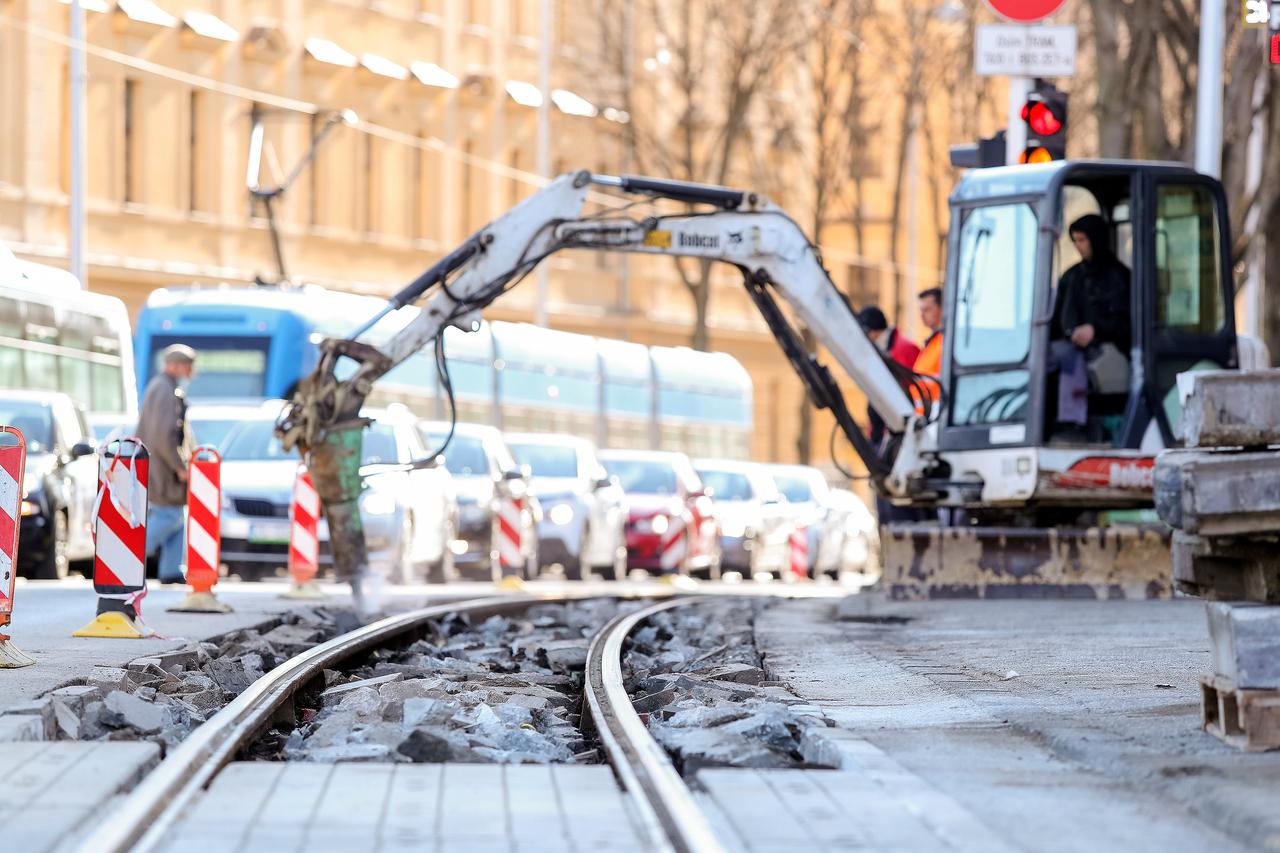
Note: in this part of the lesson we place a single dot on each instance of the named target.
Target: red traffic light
(1041, 118)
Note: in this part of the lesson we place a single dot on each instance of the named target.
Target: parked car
(484, 472)
(584, 515)
(211, 423)
(409, 516)
(664, 491)
(60, 482)
(809, 500)
(755, 523)
(856, 535)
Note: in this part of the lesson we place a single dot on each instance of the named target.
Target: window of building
(196, 155)
(468, 185)
(131, 134)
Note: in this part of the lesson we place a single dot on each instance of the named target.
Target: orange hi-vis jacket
(929, 363)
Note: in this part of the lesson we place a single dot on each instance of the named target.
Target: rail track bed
(484, 724)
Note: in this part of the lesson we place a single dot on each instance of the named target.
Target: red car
(671, 523)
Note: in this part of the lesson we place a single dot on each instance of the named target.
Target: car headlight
(659, 524)
(561, 514)
(734, 527)
(30, 483)
(30, 508)
(378, 503)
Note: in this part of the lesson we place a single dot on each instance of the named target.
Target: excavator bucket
(923, 561)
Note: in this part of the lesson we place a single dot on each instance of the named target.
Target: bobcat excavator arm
(739, 228)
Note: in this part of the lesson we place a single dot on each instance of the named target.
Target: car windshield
(795, 489)
(33, 420)
(256, 441)
(211, 431)
(464, 457)
(640, 476)
(547, 460)
(727, 485)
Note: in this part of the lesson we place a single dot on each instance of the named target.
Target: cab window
(996, 277)
(1188, 261)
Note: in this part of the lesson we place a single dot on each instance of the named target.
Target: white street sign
(1017, 51)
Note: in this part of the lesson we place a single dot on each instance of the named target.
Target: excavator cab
(1090, 418)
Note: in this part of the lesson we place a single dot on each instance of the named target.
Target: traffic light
(983, 154)
(1045, 115)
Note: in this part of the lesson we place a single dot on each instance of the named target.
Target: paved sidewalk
(47, 612)
(1058, 725)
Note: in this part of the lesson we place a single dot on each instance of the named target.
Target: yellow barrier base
(510, 583)
(678, 581)
(201, 602)
(310, 589)
(114, 625)
(12, 657)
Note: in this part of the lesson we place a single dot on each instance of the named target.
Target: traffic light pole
(1213, 15)
(1016, 135)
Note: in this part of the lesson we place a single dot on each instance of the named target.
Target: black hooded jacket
(1096, 291)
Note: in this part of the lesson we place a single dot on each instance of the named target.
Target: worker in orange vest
(929, 362)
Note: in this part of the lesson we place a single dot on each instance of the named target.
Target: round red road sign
(1026, 11)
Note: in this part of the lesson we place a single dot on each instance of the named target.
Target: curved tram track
(662, 803)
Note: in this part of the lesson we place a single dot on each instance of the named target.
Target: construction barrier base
(309, 589)
(678, 581)
(114, 624)
(510, 583)
(201, 602)
(12, 657)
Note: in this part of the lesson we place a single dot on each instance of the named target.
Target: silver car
(584, 515)
(484, 472)
(755, 522)
(409, 515)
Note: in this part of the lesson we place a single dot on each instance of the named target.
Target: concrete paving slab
(52, 793)
(380, 806)
(1077, 726)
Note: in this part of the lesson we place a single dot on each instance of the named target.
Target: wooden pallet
(1248, 719)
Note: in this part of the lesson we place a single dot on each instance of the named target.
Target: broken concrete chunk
(124, 709)
(738, 673)
(108, 678)
(41, 710)
(340, 689)
(15, 727)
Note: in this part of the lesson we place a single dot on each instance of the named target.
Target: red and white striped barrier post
(799, 552)
(13, 468)
(673, 547)
(304, 537)
(204, 534)
(510, 544)
(120, 541)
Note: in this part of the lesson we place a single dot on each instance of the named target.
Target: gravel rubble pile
(697, 676)
(164, 698)
(505, 690)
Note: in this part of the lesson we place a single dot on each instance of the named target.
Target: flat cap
(178, 354)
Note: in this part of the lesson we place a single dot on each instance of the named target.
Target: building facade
(441, 135)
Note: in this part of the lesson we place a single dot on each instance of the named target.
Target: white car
(584, 515)
(409, 515)
(809, 501)
(855, 535)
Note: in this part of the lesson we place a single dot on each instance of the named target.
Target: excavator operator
(1091, 330)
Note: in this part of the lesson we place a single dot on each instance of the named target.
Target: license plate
(269, 532)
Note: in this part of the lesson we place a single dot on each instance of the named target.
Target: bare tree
(714, 59)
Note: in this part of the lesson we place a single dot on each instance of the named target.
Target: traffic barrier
(304, 537)
(800, 552)
(13, 468)
(204, 534)
(510, 545)
(674, 547)
(120, 541)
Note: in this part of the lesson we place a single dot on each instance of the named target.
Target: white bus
(55, 336)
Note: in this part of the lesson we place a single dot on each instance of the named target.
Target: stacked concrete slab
(1221, 494)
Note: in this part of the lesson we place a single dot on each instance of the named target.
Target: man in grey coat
(162, 426)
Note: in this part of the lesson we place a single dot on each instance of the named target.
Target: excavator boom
(739, 228)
